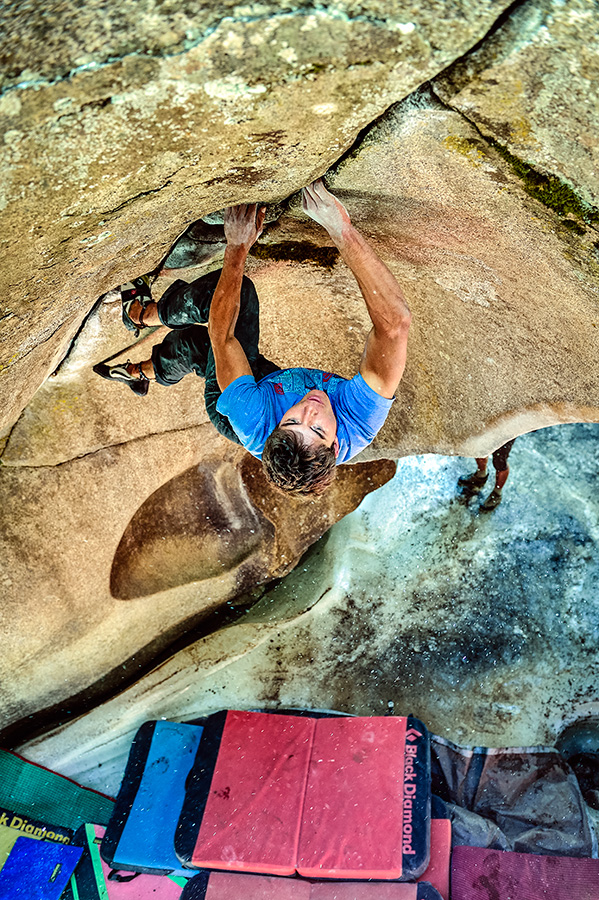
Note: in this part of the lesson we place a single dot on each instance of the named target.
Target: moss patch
(549, 190)
(573, 225)
(297, 251)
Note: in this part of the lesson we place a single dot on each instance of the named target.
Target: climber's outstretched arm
(384, 357)
(243, 226)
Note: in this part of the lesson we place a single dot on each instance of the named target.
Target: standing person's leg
(502, 470)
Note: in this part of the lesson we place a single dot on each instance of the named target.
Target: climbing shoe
(139, 384)
(473, 482)
(138, 289)
(492, 501)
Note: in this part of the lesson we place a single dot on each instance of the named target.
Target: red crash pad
(353, 806)
(437, 872)
(252, 815)
(330, 797)
(482, 874)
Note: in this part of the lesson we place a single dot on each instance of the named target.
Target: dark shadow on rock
(299, 521)
(297, 251)
(197, 526)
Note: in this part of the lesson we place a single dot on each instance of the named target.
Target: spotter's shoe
(473, 482)
(579, 746)
(492, 501)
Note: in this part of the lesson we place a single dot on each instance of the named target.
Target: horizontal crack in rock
(297, 251)
(91, 453)
(156, 190)
(127, 673)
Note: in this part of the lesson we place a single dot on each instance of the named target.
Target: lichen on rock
(532, 87)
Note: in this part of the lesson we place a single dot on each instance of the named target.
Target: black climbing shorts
(185, 309)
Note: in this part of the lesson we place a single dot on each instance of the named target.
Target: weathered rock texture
(128, 521)
(533, 86)
(107, 497)
(124, 123)
(505, 298)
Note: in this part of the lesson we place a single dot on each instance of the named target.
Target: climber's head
(300, 455)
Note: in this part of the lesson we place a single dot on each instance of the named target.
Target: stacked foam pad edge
(229, 886)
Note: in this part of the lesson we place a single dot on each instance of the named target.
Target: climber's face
(313, 418)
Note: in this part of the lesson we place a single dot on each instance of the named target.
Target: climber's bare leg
(150, 313)
(146, 366)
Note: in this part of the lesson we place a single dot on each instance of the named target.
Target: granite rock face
(505, 332)
(122, 124)
(128, 522)
(110, 557)
(115, 498)
(108, 497)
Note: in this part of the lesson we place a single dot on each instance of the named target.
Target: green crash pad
(30, 790)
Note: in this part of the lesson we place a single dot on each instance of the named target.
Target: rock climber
(475, 482)
(300, 422)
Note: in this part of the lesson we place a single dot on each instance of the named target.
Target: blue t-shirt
(255, 409)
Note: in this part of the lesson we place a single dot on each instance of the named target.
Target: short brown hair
(296, 467)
